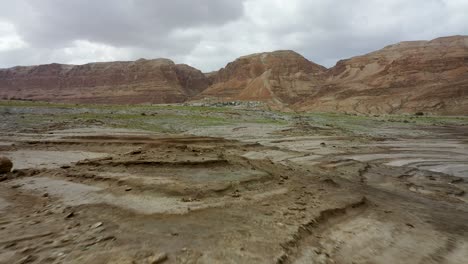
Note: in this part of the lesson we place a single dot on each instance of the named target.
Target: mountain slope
(428, 76)
(408, 77)
(141, 81)
(279, 78)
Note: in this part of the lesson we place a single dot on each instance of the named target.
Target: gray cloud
(209, 33)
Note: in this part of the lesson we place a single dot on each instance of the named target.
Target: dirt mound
(141, 81)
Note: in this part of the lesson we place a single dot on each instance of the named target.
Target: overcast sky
(207, 34)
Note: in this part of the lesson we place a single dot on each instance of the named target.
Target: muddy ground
(181, 184)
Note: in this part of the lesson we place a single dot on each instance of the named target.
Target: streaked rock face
(141, 81)
(279, 78)
(427, 76)
(408, 77)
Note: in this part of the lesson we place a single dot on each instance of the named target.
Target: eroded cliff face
(141, 81)
(279, 78)
(408, 77)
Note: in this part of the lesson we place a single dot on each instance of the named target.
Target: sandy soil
(233, 194)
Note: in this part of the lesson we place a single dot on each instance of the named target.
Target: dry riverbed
(131, 185)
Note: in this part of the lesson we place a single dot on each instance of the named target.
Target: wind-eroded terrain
(230, 184)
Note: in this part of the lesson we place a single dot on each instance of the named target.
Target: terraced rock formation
(408, 77)
(279, 78)
(141, 81)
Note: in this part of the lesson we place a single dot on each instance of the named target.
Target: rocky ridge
(279, 78)
(141, 81)
(408, 77)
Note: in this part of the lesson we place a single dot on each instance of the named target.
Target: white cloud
(9, 38)
(83, 51)
(210, 34)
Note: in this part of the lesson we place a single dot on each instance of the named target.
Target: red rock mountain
(279, 78)
(428, 76)
(141, 81)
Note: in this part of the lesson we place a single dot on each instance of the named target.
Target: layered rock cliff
(279, 78)
(416, 76)
(141, 81)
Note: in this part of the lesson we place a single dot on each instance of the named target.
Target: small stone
(106, 238)
(96, 225)
(293, 208)
(35, 222)
(128, 189)
(5, 165)
(45, 195)
(27, 249)
(27, 259)
(70, 215)
(157, 258)
(9, 245)
(134, 152)
(187, 200)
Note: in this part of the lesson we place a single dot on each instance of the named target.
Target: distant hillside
(408, 77)
(279, 78)
(427, 76)
(141, 81)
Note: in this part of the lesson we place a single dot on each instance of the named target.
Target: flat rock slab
(26, 159)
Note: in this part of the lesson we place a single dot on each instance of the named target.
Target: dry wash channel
(146, 198)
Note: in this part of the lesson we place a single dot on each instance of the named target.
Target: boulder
(5, 165)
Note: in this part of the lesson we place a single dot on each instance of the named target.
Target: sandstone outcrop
(279, 78)
(408, 77)
(141, 81)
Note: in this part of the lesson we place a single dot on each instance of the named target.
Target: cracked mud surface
(267, 194)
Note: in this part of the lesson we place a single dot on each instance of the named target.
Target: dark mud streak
(362, 173)
(206, 163)
(291, 248)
